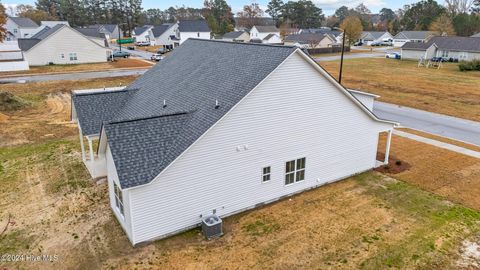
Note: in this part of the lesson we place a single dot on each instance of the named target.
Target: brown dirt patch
(443, 172)
(394, 165)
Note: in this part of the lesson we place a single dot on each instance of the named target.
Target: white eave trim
(363, 93)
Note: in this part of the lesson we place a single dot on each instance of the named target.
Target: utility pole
(343, 52)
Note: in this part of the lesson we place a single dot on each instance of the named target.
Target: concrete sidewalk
(436, 143)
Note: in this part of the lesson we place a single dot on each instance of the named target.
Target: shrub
(398, 162)
(469, 65)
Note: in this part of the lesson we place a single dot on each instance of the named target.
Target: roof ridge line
(244, 43)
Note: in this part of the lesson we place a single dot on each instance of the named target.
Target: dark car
(131, 48)
(121, 54)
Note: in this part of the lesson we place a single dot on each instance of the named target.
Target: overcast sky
(328, 6)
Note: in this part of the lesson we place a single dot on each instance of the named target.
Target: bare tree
(455, 7)
(250, 15)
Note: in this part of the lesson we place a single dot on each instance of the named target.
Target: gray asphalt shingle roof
(143, 135)
(141, 29)
(90, 32)
(24, 22)
(26, 44)
(413, 35)
(47, 31)
(461, 44)
(193, 26)
(267, 28)
(372, 35)
(158, 30)
(305, 37)
(233, 34)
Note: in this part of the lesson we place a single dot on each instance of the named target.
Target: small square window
(266, 174)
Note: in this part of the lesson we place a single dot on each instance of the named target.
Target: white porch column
(81, 144)
(387, 151)
(90, 148)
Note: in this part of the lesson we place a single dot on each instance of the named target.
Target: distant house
(112, 31)
(61, 44)
(371, 37)
(143, 34)
(92, 33)
(193, 29)
(311, 40)
(411, 36)
(457, 48)
(165, 35)
(18, 27)
(52, 23)
(11, 57)
(219, 128)
(476, 35)
(237, 36)
(326, 30)
(265, 34)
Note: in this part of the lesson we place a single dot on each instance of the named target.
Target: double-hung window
(294, 171)
(73, 56)
(118, 198)
(266, 174)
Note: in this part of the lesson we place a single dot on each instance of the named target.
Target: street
(140, 53)
(438, 124)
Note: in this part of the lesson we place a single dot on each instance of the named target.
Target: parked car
(156, 57)
(161, 51)
(392, 55)
(358, 43)
(131, 48)
(142, 43)
(120, 54)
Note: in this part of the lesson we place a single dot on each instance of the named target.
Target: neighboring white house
(272, 39)
(455, 48)
(143, 34)
(258, 33)
(93, 34)
(311, 40)
(18, 27)
(111, 31)
(237, 36)
(52, 23)
(193, 29)
(222, 127)
(411, 36)
(61, 45)
(165, 35)
(372, 37)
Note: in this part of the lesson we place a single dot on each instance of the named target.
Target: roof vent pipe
(216, 104)
(164, 103)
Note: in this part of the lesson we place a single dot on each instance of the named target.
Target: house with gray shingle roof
(222, 127)
(455, 48)
(268, 34)
(237, 36)
(411, 36)
(372, 37)
(311, 40)
(143, 34)
(19, 27)
(193, 29)
(62, 44)
(165, 35)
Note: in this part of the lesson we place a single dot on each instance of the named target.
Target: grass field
(446, 91)
(118, 63)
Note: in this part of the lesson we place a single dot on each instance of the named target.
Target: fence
(335, 49)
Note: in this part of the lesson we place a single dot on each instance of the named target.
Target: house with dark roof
(166, 35)
(237, 36)
(268, 34)
(454, 48)
(222, 127)
(111, 31)
(61, 44)
(96, 36)
(193, 29)
(18, 27)
(411, 36)
(311, 40)
(372, 37)
(143, 34)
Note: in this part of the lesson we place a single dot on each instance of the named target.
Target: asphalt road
(140, 53)
(350, 56)
(443, 125)
(73, 76)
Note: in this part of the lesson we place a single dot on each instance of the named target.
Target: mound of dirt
(10, 102)
(394, 166)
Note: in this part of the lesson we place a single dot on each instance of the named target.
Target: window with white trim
(73, 56)
(294, 171)
(118, 198)
(266, 174)
(444, 53)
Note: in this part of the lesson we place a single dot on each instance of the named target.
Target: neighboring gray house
(165, 35)
(61, 44)
(457, 48)
(18, 27)
(193, 29)
(371, 37)
(143, 34)
(222, 127)
(111, 31)
(411, 36)
(237, 36)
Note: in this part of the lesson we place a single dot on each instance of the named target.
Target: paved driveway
(443, 125)
(139, 53)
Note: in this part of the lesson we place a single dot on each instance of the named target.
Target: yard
(370, 221)
(446, 91)
(119, 63)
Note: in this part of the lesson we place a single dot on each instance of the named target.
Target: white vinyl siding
(66, 41)
(165, 39)
(296, 112)
(186, 35)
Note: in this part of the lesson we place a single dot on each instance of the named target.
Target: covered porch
(95, 163)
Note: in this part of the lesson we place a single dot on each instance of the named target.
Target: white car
(142, 43)
(392, 55)
(156, 57)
